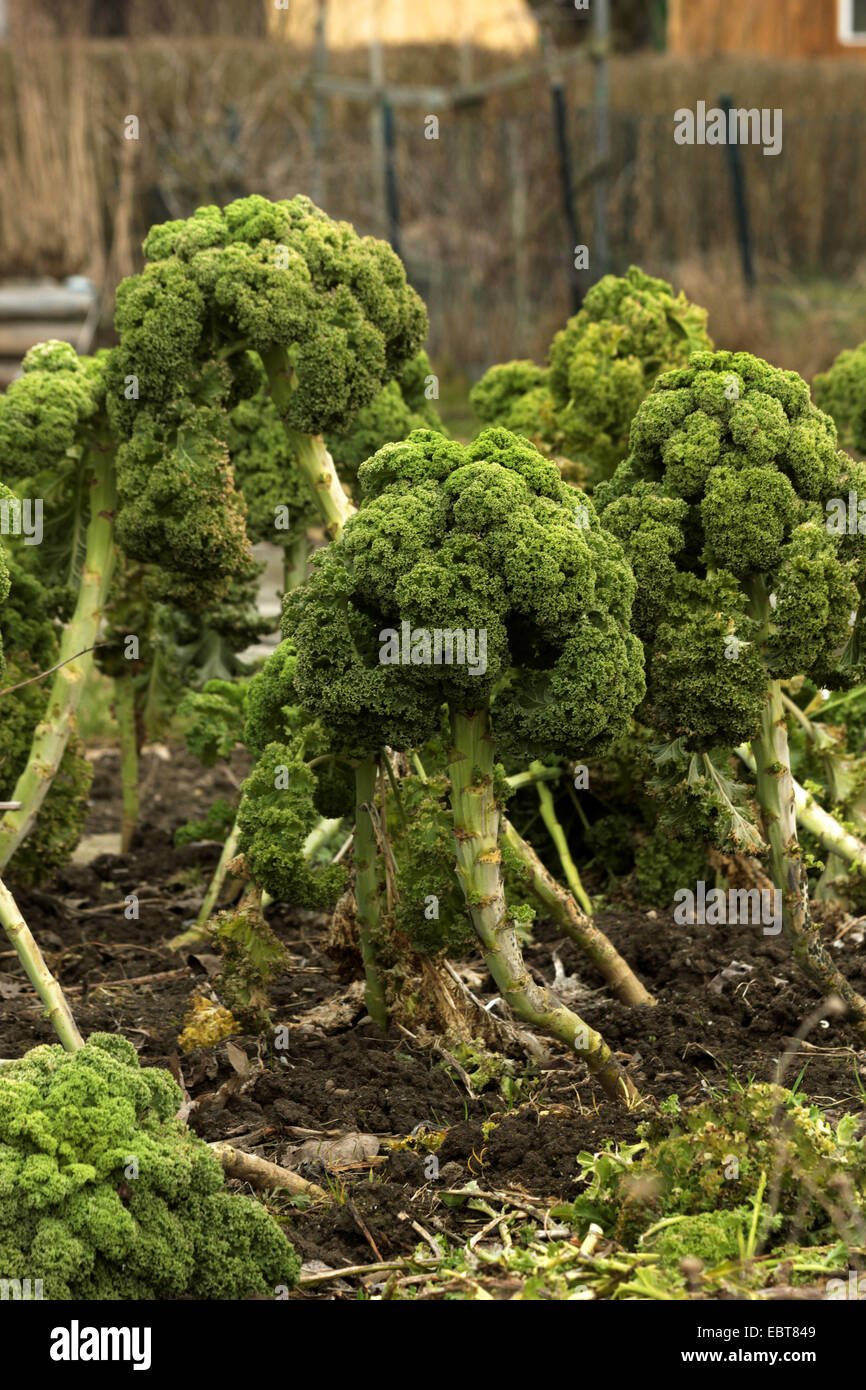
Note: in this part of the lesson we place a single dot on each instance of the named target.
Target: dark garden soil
(728, 1000)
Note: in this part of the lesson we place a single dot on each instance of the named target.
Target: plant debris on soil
(504, 1156)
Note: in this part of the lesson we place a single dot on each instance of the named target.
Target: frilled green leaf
(766, 1129)
(603, 363)
(271, 706)
(277, 812)
(700, 801)
(431, 907)
(214, 719)
(178, 507)
(330, 312)
(60, 821)
(400, 407)
(814, 599)
(52, 422)
(273, 277)
(662, 862)
(103, 1193)
(415, 380)
(501, 386)
(579, 704)
(279, 505)
(252, 957)
(277, 496)
(706, 680)
(845, 522)
(274, 715)
(841, 392)
(216, 825)
(604, 389)
(651, 528)
(488, 543)
(46, 413)
(747, 514)
(716, 1156)
(29, 619)
(516, 395)
(734, 477)
(161, 317)
(338, 674)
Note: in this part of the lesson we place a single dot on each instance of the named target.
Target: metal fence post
(741, 208)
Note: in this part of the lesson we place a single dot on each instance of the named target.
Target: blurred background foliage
(219, 90)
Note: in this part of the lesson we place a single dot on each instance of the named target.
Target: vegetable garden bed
(344, 1078)
(574, 711)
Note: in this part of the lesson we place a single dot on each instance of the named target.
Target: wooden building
(503, 24)
(498, 24)
(776, 29)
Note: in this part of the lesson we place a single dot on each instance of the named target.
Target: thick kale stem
(52, 732)
(57, 1010)
(776, 799)
(124, 713)
(777, 802)
(479, 870)
(617, 973)
(312, 457)
(812, 816)
(367, 898)
(318, 468)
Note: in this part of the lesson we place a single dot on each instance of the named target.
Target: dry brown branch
(261, 1173)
